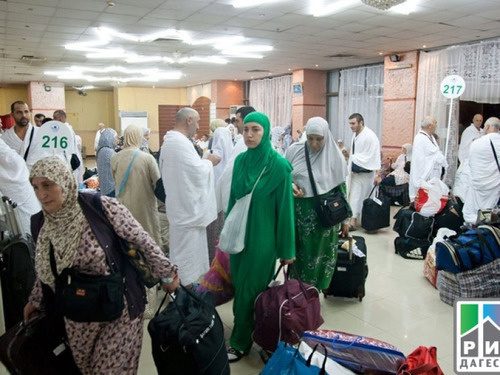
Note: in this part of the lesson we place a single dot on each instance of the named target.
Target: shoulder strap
(127, 172)
(256, 182)
(309, 170)
(29, 145)
(495, 154)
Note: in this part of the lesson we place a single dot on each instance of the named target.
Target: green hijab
(249, 164)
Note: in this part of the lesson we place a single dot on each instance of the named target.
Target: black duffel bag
(376, 212)
(188, 336)
(411, 224)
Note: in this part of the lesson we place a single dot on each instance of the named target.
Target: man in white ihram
(471, 133)
(463, 176)
(363, 163)
(190, 203)
(427, 160)
(484, 190)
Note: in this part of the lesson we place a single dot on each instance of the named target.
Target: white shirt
(470, 134)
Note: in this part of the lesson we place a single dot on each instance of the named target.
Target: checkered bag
(481, 282)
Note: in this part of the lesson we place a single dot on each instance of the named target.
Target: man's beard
(23, 122)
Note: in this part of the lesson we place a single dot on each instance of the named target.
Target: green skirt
(316, 246)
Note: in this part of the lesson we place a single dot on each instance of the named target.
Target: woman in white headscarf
(400, 174)
(316, 246)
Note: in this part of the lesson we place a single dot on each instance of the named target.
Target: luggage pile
(416, 231)
(468, 264)
(333, 352)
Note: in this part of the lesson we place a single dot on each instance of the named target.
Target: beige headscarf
(63, 228)
(132, 136)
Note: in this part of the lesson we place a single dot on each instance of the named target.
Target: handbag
(188, 336)
(88, 298)
(332, 208)
(232, 236)
(131, 252)
(422, 361)
(283, 312)
(376, 212)
(287, 360)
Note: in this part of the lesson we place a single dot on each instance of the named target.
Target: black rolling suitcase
(350, 272)
(17, 265)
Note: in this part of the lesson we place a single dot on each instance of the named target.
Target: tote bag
(232, 237)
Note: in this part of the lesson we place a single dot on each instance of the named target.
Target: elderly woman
(135, 174)
(270, 227)
(105, 151)
(69, 228)
(316, 245)
(137, 193)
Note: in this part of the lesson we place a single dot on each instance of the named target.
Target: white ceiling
(41, 28)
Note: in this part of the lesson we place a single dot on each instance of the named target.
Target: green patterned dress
(316, 246)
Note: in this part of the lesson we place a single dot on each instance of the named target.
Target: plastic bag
(432, 197)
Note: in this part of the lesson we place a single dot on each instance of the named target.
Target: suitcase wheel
(360, 296)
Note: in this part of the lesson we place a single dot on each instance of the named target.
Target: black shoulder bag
(333, 208)
(88, 298)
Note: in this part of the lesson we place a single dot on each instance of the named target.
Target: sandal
(234, 355)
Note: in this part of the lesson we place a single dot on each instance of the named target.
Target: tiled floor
(401, 307)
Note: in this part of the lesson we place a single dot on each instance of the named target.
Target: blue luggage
(469, 250)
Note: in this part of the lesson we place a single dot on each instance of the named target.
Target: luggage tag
(378, 201)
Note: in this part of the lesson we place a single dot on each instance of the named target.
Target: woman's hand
(286, 262)
(344, 230)
(29, 311)
(172, 286)
(297, 192)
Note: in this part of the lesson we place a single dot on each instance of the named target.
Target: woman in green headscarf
(270, 232)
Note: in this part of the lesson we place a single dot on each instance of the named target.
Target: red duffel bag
(422, 361)
(284, 312)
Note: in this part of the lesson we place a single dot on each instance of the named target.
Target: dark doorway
(468, 109)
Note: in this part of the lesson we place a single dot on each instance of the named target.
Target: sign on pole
(452, 87)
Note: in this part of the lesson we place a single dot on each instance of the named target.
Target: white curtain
(361, 91)
(273, 96)
(479, 65)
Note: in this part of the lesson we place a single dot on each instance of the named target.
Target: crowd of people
(203, 180)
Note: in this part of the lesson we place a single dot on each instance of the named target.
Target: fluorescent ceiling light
(242, 55)
(318, 9)
(111, 53)
(134, 59)
(218, 41)
(410, 6)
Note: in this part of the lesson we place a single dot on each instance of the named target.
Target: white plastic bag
(232, 237)
(432, 197)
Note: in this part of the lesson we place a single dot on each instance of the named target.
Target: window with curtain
(479, 65)
(361, 91)
(273, 96)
